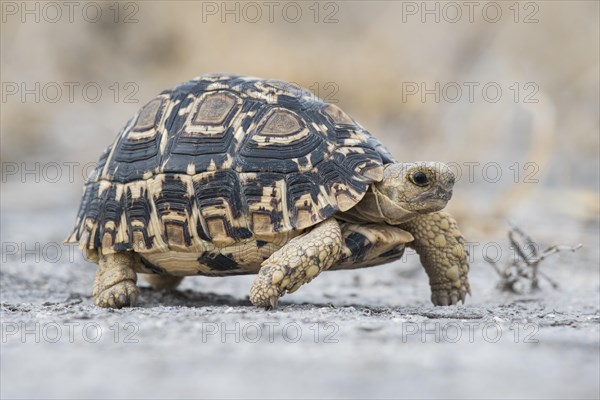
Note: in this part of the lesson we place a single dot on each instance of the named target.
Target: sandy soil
(363, 333)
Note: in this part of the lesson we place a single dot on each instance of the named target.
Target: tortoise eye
(420, 179)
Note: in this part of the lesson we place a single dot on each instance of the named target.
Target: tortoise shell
(222, 159)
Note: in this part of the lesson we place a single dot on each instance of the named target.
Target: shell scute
(222, 159)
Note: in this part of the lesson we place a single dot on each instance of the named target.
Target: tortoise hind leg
(115, 283)
(297, 263)
(162, 282)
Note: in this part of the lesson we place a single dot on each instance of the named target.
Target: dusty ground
(364, 333)
(349, 334)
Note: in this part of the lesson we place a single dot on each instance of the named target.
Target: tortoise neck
(375, 207)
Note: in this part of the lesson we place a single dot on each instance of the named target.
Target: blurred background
(507, 93)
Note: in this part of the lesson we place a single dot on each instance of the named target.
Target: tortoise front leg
(440, 246)
(297, 263)
(114, 286)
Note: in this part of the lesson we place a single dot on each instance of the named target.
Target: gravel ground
(350, 334)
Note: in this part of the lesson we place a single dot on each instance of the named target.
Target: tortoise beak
(436, 198)
(438, 192)
(443, 193)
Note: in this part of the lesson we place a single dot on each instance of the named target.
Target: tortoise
(228, 175)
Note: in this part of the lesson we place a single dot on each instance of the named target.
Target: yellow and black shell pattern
(225, 159)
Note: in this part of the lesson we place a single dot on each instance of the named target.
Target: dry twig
(524, 266)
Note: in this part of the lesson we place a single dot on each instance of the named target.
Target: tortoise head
(408, 189)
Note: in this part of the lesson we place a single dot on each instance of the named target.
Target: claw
(294, 288)
(440, 299)
(463, 297)
(122, 294)
(277, 277)
(122, 300)
(453, 299)
(273, 302)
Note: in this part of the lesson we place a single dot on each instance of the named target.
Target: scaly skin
(440, 246)
(162, 282)
(297, 263)
(115, 283)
